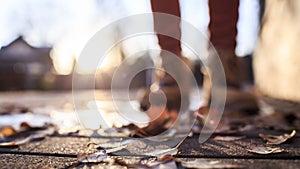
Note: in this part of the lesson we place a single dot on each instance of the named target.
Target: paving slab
(190, 148)
(33, 161)
(236, 149)
(36, 161)
(61, 151)
(255, 163)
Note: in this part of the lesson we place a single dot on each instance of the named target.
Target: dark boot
(223, 31)
(237, 99)
(176, 92)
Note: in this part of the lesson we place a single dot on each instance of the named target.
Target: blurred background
(40, 40)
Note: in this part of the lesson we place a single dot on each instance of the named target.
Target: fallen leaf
(204, 164)
(7, 131)
(275, 140)
(167, 161)
(167, 157)
(165, 165)
(115, 149)
(115, 144)
(228, 138)
(129, 127)
(24, 126)
(9, 108)
(106, 147)
(247, 127)
(130, 162)
(100, 156)
(265, 150)
(162, 153)
(140, 147)
(145, 162)
(16, 142)
(43, 133)
(33, 120)
(170, 151)
(230, 128)
(159, 124)
(33, 136)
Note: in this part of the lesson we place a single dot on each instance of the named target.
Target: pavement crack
(38, 153)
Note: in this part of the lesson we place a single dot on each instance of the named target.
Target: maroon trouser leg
(167, 27)
(222, 26)
(223, 20)
(173, 28)
(223, 31)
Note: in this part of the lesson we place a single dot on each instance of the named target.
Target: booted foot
(174, 100)
(161, 120)
(176, 92)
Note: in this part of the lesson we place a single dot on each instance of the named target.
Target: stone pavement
(60, 151)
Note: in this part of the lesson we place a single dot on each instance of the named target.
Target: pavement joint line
(256, 157)
(268, 157)
(105, 137)
(57, 154)
(38, 154)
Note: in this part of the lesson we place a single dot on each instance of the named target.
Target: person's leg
(171, 47)
(223, 32)
(173, 28)
(177, 98)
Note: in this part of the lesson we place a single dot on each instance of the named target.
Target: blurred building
(23, 66)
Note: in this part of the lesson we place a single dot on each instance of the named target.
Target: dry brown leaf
(35, 135)
(167, 161)
(115, 149)
(7, 131)
(43, 133)
(8, 108)
(131, 162)
(123, 131)
(25, 126)
(265, 150)
(16, 142)
(115, 144)
(163, 153)
(162, 120)
(171, 151)
(275, 140)
(165, 165)
(228, 138)
(19, 121)
(145, 162)
(205, 164)
(100, 156)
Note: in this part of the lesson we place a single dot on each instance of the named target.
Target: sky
(66, 25)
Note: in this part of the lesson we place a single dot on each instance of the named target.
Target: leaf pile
(265, 150)
(276, 140)
(26, 133)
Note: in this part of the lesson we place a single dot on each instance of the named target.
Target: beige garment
(277, 57)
